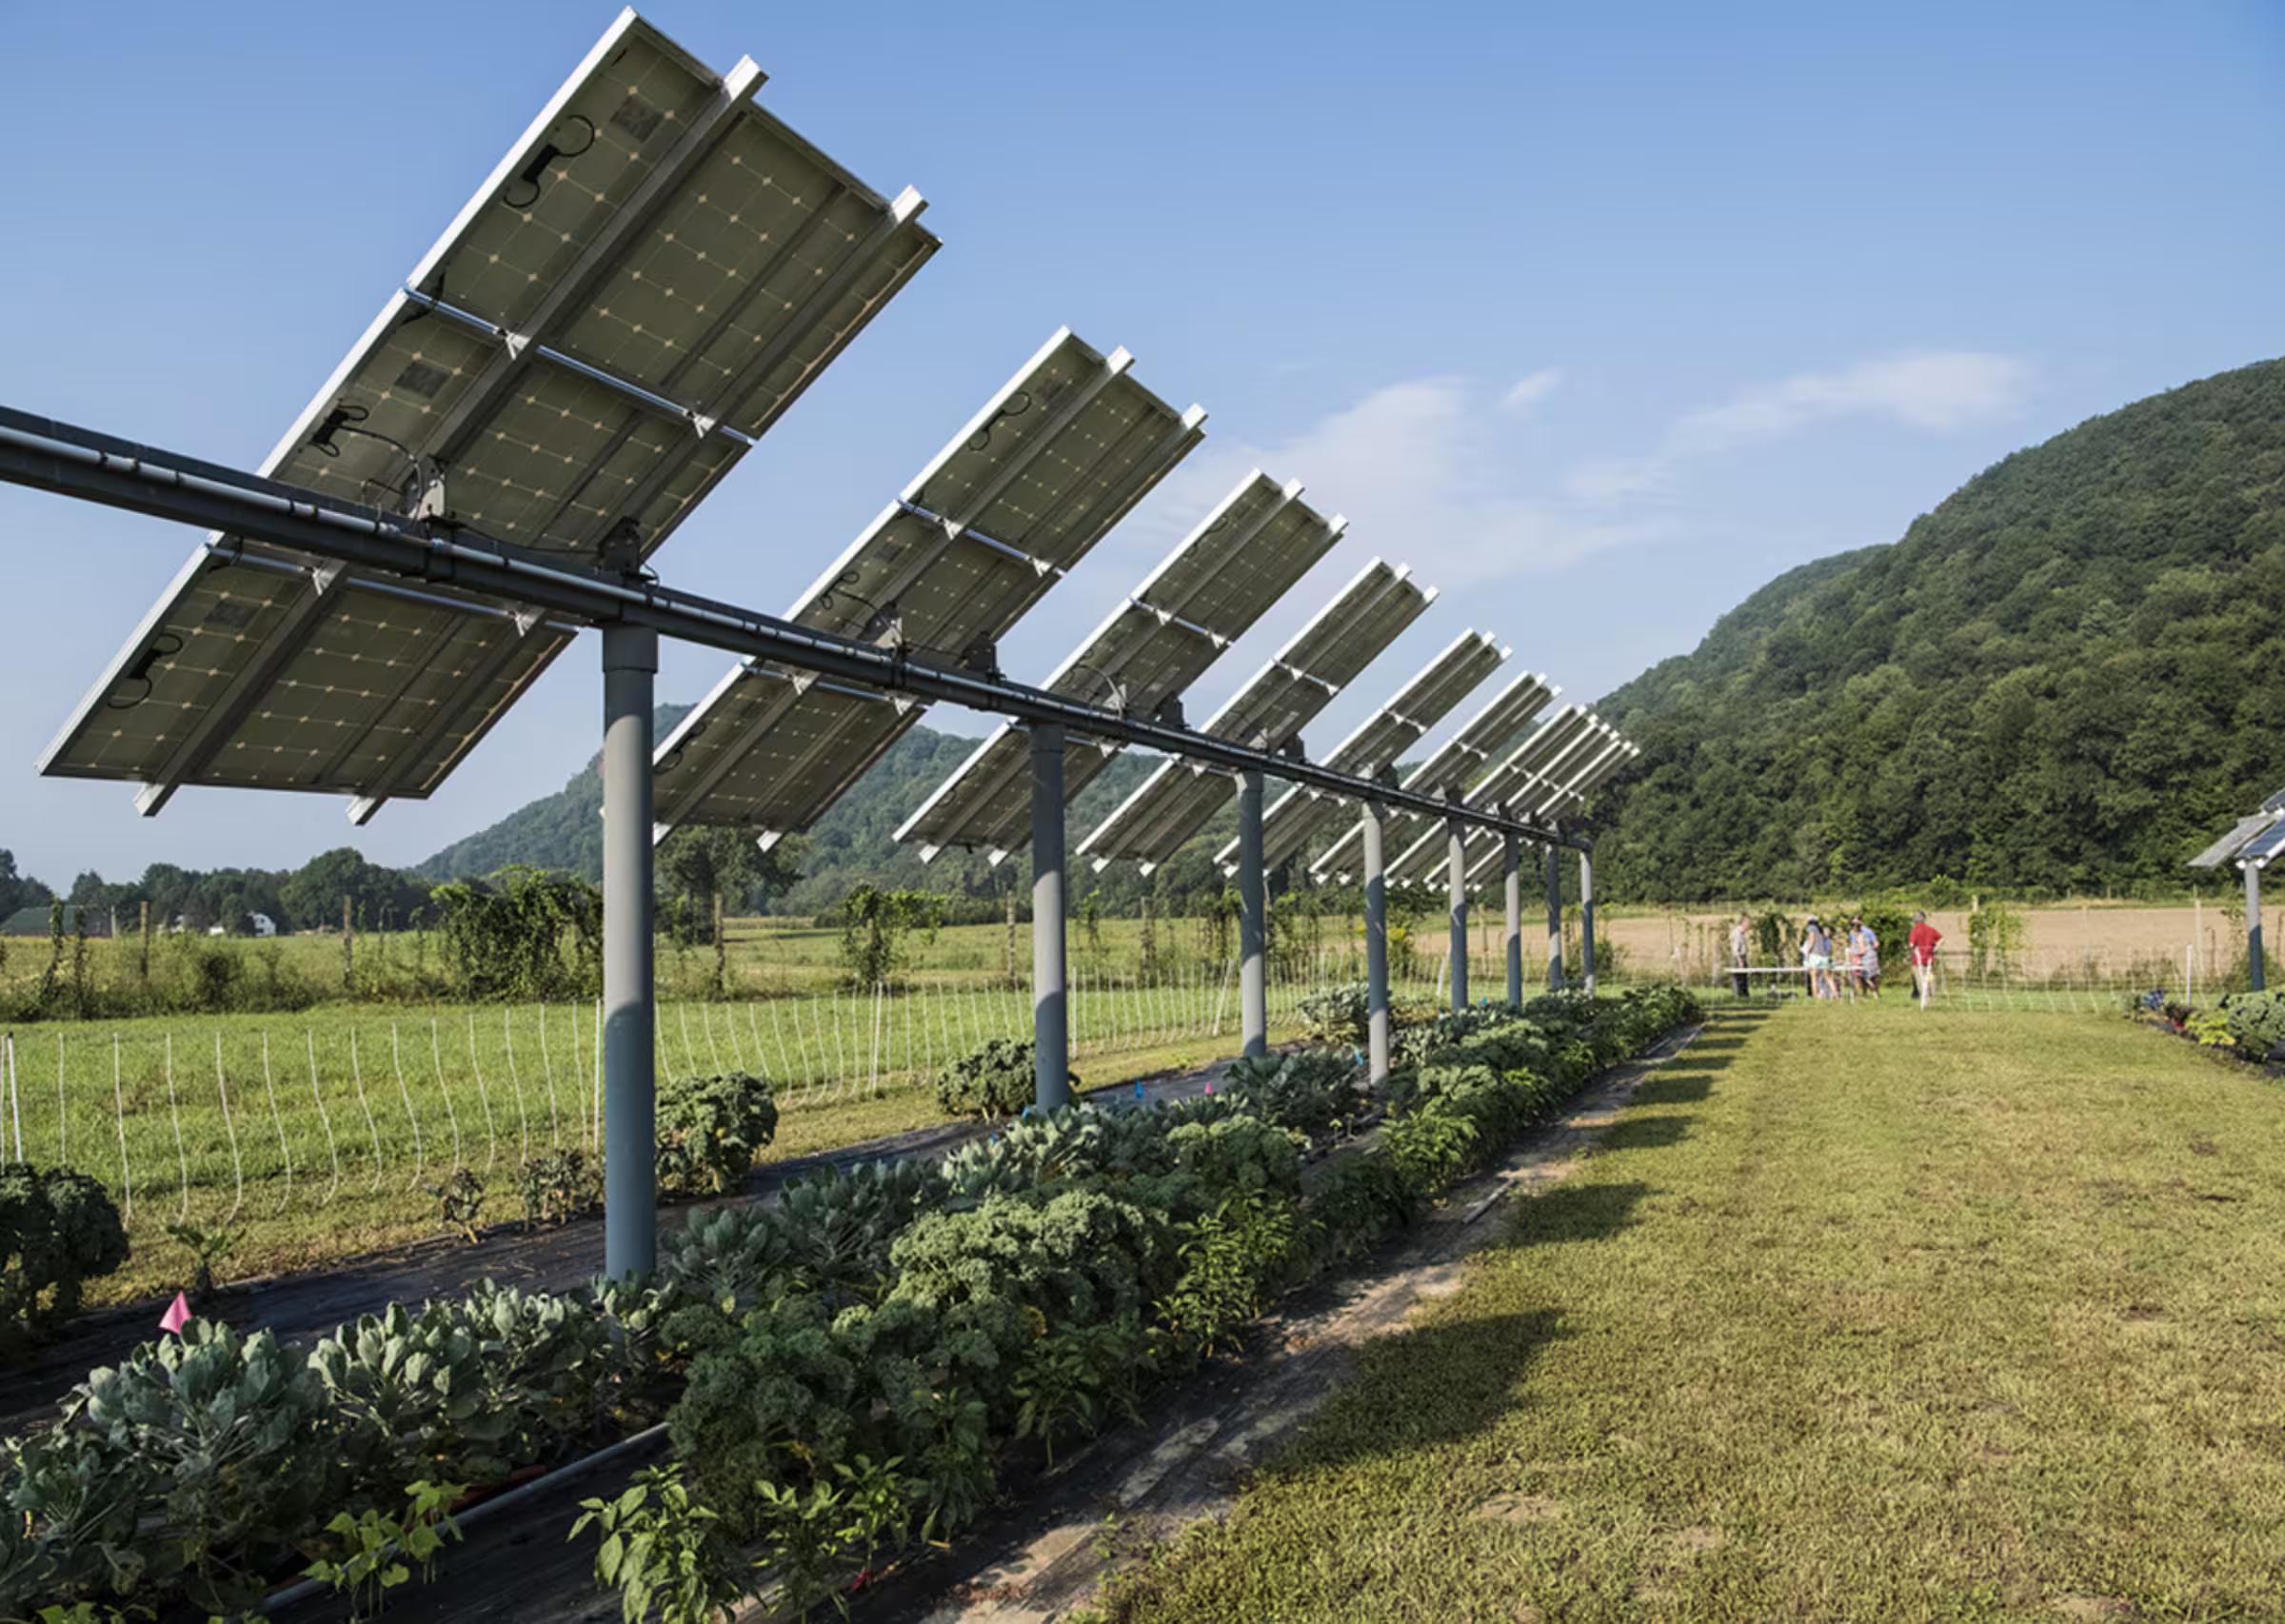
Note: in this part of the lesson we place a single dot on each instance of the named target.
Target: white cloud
(1935, 390)
(1940, 391)
(1421, 471)
(1530, 390)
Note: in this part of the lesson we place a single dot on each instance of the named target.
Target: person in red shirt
(1924, 938)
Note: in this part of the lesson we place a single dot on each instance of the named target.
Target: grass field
(309, 1136)
(1855, 1314)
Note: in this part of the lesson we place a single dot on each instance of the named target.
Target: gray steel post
(1050, 1024)
(2252, 927)
(1511, 863)
(1375, 943)
(1456, 896)
(630, 1197)
(1555, 917)
(1587, 922)
(1253, 985)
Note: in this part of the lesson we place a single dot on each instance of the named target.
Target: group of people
(1856, 967)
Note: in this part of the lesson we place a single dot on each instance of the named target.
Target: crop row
(843, 1372)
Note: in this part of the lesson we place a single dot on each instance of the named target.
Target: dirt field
(2115, 935)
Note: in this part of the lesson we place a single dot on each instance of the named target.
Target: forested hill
(852, 843)
(2066, 677)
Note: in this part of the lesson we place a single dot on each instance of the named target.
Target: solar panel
(2231, 845)
(2264, 846)
(1569, 798)
(1246, 555)
(643, 286)
(1020, 495)
(1493, 729)
(1374, 744)
(1267, 713)
(1559, 747)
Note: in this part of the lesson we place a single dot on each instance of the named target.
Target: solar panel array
(1244, 556)
(651, 276)
(1267, 713)
(1017, 498)
(1555, 802)
(1494, 728)
(1533, 782)
(1374, 744)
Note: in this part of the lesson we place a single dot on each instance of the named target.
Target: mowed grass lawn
(1856, 1312)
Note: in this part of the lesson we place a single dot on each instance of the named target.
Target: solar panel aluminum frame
(986, 802)
(1615, 756)
(1268, 712)
(1373, 745)
(2265, 846)
(1535, 769)
(2241, 834)
(1545, 780)
(536, 328)
(1491, 729)
(892, 572)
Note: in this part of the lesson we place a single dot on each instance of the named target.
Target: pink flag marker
(177, 1315)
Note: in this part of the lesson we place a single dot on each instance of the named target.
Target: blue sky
(1596, 316)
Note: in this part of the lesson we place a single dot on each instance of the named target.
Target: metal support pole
(630, 1197)
(1455, 894)
(1511, 863)
(1375, 943)
(1050, 1021)
(1555, 919)
(1587, 922)
(1253, 986)
(2252, 927)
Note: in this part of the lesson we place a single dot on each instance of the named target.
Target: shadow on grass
(1425, 1387)
(1576, 1211)
(1644, 1133)
(1672, 1087)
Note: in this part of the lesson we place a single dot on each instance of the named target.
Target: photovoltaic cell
(1267, 713)
(1373, 747)
(650, 277)
(1493, 729)
(1242, 558)
(1021, 494)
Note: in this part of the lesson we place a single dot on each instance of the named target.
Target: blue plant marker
(1137, 1090)
(1356, 1057)
(1026, 1111)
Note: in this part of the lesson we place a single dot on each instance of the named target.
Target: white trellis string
(872, 1080)
(277, 1120)
(507, 1039)
(729, 1018)
(579, 1078)
(127, 1185)
(60, 1157)
(492, 1136)
(436, 1061)
(595, 1121)
(555, 1128)
(237, 1167)
(16, 1109)
(841, 1056)
(706, 1018)
(778, 1031)
(357, 1074)
(658, 1042)
(182, 1154)
(325, 1118)
(396, 1061)
(682, 1015)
